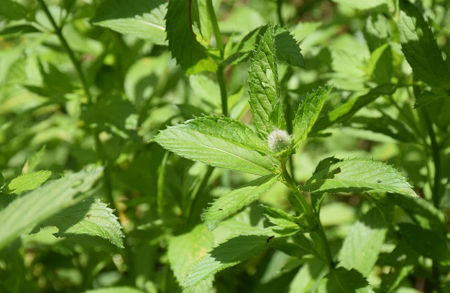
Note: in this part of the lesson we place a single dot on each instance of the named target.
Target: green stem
(223, 90)
(280, 17)
(436, 158)
(215, 25)
(311, 216)
(73, 59)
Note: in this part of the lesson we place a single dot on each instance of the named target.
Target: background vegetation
(90, 200)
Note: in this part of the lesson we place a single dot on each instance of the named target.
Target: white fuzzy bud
(278, 140)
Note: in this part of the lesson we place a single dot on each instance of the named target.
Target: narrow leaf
(264, 89)
(200, 140)
(308, 112)
(420, 47)
(39, 204)
(140, 18)
(232, 202)
(363, 243)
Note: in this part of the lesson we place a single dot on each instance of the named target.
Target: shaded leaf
(39, 204)
(29, 181)
(342, 280)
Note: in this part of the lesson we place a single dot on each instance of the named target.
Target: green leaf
(232, 202)
(307, 113)
(345, 111)
(227, 254)
(362, 4)
(121, 289)
(426, 242)
(380, 65)
(185, 48)
(284, 223)
(287, 48)
(39, 204)
(420, 48)
(140, 18)
(186, 250)
(357, 175)
(28, 181)
(229, 147)
(89, 217)
(307, 277)
(341, 280)
(12, 10)
(363, 243)
(264, 89)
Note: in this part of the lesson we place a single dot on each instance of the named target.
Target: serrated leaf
(39, 204)
(287, 48)
(307, 113)
(186, 250)
(188, 52)
(420, 48)
(345, 111)
(363, 243)
(89, 217)
(200, 140)
(380, 65)
(227, 254)
(284, 222)
(141, 18)
(232, 202)
(264, 89)
(341, 280)
(358, 175)
(29, 181)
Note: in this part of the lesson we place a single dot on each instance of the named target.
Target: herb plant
(224, 146)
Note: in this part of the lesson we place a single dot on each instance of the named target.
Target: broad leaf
(363, 243)
(420, 47)
(200, 140)
(38, 205)
(307, 277)
(140, 18)
(89, 217)
(232, 202)
(362, 4)
(12, 10)
(264, 89)
(28, 181)
(186, 250)
(287, 48)
(227, 254)
(380, 65)
(357, 175)
(341, 280)
(307, 114)
(115, 290)
(188, 52)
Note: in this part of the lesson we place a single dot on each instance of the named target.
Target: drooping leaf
(143, 19)
(358, 175)
(420, 47)
(39, 204)
(341, 280)
(363, 243)
(89, 217)
(29, 181)
(232, 202)
(264, 89)
(307, 113)
(185, 251)
(353, 105)
(200, 140)
(183, 45)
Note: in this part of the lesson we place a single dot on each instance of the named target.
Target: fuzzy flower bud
(278, 140)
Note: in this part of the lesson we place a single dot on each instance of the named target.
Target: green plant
(281, 150)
